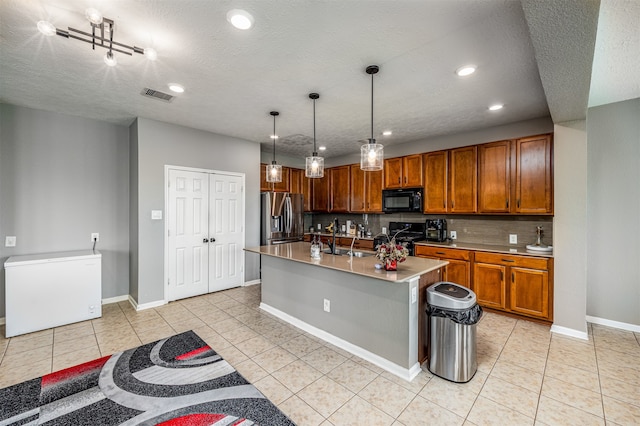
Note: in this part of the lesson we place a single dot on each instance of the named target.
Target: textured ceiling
(233, 78)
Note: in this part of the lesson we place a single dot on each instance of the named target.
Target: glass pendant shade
(274, 172)
(372, 157)
(314, 166)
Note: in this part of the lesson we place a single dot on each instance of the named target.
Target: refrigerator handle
(288, 215)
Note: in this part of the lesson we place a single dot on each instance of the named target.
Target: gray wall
(62, 178)
(613, 213)
(159, 144)
(570, 227)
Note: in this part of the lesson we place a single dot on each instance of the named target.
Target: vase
(390, 265)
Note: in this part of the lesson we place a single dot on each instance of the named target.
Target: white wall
(159, 144)
(62, 178)
(613, 213)
(570, 228)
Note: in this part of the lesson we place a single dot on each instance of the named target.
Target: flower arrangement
(391, 254)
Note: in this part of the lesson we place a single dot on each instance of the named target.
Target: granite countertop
(521, 251)
(299, 252)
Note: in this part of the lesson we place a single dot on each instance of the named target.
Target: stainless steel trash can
(452, 318)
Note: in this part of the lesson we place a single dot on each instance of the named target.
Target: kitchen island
(374, 314)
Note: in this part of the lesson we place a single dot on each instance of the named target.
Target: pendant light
(372, 154)
(274, 171)
(314, 164)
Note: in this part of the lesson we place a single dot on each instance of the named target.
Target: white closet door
(188, 234)
(226, 230)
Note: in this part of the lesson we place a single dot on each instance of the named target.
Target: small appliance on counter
(436, 230)
(406, 234)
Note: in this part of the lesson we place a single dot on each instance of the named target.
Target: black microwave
(402, 200)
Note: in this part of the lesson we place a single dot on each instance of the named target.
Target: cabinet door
(295, 181)
(412, 171)
(340, 189)
(264, 185)
(374, 191)
(494, 177)
(529, 293)
(393, 173)
(463, 180)
(458, 271)
(534, 185)
(320, 199)
(435, 181)
(358, 195)
(307, 192)
(489, 285)
(283, 185)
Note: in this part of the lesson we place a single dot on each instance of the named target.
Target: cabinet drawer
(440, 252)
(510, 260)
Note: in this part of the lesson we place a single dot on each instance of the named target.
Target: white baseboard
(614, 324)
(407, 374)
(115, 299)
(570, 332)
(144, 306)
(252, 282)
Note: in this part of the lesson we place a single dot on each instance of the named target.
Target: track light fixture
(101, 35)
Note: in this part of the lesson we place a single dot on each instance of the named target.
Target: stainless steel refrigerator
(282, 218)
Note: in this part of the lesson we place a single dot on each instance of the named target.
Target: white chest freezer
(52, 289)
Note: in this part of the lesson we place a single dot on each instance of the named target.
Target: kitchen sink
(340, 252)
(360, 254)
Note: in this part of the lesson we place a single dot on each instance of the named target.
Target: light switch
(156, 214)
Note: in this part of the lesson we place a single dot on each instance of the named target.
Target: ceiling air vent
(155, 94)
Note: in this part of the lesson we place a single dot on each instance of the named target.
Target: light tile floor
(526, 375)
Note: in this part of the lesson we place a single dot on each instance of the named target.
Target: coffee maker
(436, 230)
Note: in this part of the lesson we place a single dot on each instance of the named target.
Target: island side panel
(376, 315)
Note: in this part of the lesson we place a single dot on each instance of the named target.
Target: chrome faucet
(333, 236)
(355, 237)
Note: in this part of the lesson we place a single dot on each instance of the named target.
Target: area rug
(179, 380)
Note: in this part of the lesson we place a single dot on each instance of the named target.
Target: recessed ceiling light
(46, 28)
(274, 136)
(496, 107)
(240, 19)
(322, 148)
(387, 133)
(174, 87)
(151, 53)
(466, 70)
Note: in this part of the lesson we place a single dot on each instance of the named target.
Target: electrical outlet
(327, 305)
(414, 295)
(10, 241)
(513, 238)
(453, 235)
(95, 236)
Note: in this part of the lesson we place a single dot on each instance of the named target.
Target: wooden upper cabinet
(463, 180)
(320, 198)
(307, 192)
(366, 190)
(339, 189)
(282, 186)
(403, 172)
(295, 180)
(534, 175)
(436, 165)
(494, 177)
(393, 173)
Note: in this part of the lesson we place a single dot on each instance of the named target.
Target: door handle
(212, 240)
(205, 240)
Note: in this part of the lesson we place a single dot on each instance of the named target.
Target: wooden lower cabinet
(517, 284)
(521, 285)
(459, 268)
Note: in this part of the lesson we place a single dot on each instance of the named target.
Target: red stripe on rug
(200, 419)
(193, 353)
(71, 372)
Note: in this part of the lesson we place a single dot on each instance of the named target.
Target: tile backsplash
(494, 230)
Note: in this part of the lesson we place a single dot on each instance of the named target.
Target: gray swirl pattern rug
(179, 380)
